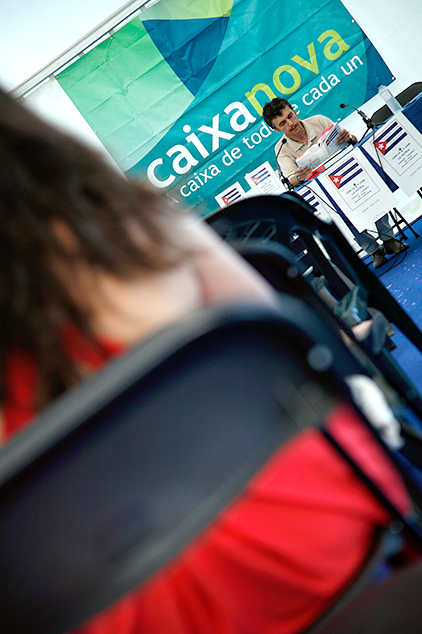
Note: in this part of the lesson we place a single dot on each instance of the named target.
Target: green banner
(176, 95)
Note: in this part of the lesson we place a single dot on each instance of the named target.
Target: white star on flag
(381, 146)
(345, 172)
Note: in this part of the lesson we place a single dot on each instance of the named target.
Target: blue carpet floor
(402, 276)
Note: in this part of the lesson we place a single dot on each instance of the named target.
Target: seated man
(298, 136)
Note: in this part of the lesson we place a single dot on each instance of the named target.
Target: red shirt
(271, 563)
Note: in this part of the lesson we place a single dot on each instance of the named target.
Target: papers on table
(358, 190)
(324, 209)
(321, 151)
(264, 180)
(397, 148)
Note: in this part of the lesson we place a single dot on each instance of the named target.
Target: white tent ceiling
(38, 36)
(35, 33)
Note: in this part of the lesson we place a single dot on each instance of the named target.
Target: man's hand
(345, 137)
(300, 174)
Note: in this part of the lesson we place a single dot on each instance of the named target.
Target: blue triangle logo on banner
(190, 47)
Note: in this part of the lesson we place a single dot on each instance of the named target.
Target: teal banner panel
(176, 95)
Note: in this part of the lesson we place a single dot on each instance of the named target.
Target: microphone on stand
(369, 123)
(283, 179)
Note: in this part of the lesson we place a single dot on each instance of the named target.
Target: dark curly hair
(46, 175)
(273, 108)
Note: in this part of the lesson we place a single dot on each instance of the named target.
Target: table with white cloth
(356, 188)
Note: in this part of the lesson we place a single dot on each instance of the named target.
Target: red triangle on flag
(381, 146)
(336, 178)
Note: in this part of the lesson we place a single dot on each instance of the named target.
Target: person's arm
(346, 137)
(296, 175)
(299, 176)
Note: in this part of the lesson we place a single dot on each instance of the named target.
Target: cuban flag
(345, 172)
(308, 195)
(231, 195)
(390, 137)
(261, 176)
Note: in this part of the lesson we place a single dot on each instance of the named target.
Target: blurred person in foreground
(298, 136)
(92, 263)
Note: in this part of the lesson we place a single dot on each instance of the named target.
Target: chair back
(406, 95)
(289, 216)
(409, 93)
(118, 475)
(381, 115)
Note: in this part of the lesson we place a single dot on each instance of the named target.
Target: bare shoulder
(224, 274)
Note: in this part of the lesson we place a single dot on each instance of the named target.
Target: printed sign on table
(324, 209)
(264, 180)
(231, 195)
(358, 190)
(397, 148)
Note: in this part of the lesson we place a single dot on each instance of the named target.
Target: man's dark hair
(273, 108)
